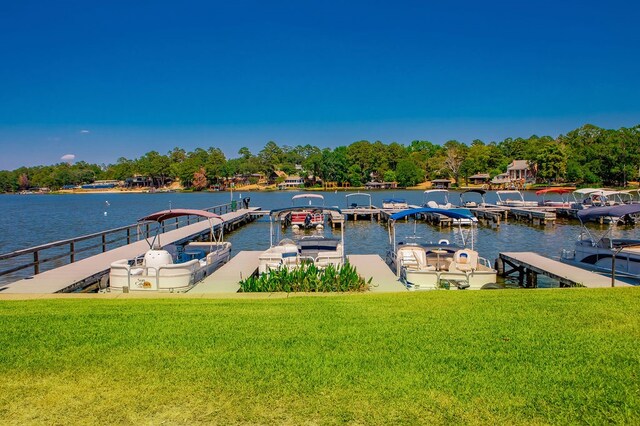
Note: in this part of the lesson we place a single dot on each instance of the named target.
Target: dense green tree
(551, 162)
(587, 155)
(408, 173)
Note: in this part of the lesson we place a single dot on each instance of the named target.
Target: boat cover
(297, 197)
(608, 211)
(279, 212)
(555, 191)
(452, 213)
(478, 191)
(170, 214)
(394, 200)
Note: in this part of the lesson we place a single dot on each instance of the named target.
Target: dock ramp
(372, 266)
(528, 264)
(227, 278)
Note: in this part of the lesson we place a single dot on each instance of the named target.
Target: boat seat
(414, 258)
(464, 260)
(136, 271)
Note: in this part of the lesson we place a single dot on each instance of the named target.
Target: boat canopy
(509, 191)
(431, 191)
(297, 197)
(452, 213)
(394, 200)
(362, 194)
(608, 211)
(584, 191)
(555, 191)
(171, 214)
(280, 212)
(358, 193)
(477, 191)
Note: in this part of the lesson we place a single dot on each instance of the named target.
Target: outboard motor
(307, 220)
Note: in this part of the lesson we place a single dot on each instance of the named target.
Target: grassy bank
(534, 357)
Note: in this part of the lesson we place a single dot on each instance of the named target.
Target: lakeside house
(441, 183)
(479, 179)
(521, 171)
(292, 182)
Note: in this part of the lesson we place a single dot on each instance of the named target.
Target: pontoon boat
(174, 267)
(438, 265)
(513, 198)
(394, 203)
(562, 192)
(305, 218)
(601, 254)
(439, 199)
(470, 203)
(353, 204)
(316, 249)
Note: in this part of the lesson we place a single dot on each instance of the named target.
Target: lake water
(29, 220)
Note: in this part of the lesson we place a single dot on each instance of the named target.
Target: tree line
(586, 155)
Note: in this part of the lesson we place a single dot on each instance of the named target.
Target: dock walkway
(372, 266)
(85, 271)
(528, 264)
(227, 278)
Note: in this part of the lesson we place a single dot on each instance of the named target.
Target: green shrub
(307, 278)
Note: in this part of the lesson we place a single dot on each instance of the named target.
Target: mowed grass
(487, 357)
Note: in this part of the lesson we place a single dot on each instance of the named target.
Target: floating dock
(527, 265)
(87, 271)
(371, 266)
(227, 278)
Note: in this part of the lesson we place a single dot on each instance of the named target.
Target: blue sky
(102, 80)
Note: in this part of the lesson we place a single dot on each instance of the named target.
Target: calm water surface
(30, 220)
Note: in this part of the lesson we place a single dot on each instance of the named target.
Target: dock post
(36, 263)
(72, 252)
(532, 279)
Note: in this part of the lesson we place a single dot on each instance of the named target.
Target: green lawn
(486, 357)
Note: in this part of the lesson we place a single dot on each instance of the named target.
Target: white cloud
(68, 158)
(84, 131)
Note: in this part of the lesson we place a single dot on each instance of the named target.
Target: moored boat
(394, 203)
(306, 218)
(468, 203)
(605, 253)
(174, 268)
(563, 193)
(353, 204)
(316, 249)
(513, 198)
(439, 199)
(439, 265)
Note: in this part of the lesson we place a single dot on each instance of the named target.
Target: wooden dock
(227, 278)
(528, 265)
(90, 270)
(536, 216)
(372, 266)
(489, 216)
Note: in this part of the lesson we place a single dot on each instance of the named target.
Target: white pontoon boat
(513, 198)
(438, 265)
(175, 267)
(353, 204)
(316, 249)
